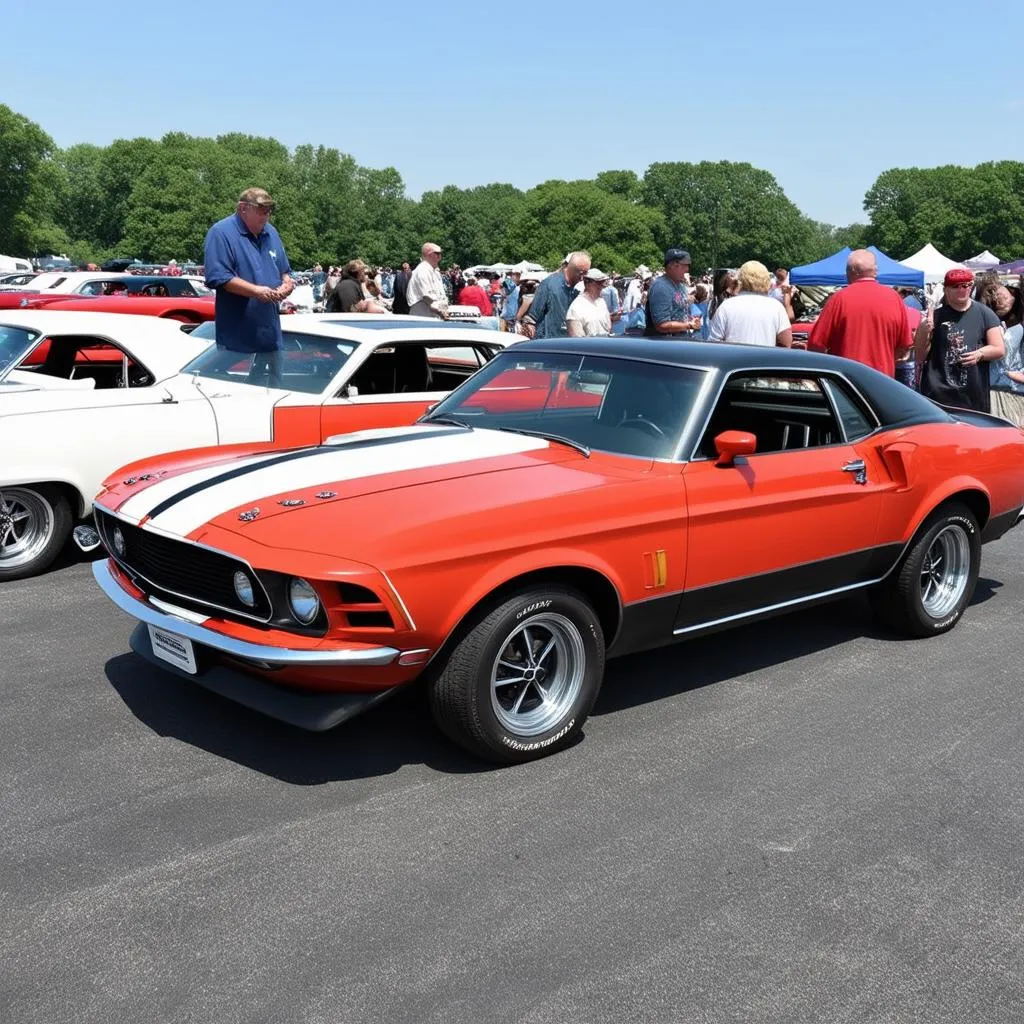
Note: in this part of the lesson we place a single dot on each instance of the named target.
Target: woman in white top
(588, 316)
(751, 317)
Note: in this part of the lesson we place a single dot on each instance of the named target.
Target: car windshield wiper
(448, 421)
(581, 448)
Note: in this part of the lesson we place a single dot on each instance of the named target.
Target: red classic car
(574, 500)
(188, 309)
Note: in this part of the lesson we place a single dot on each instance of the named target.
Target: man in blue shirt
(246, 263)
(510, 301)
(668, 301)
(554, 294)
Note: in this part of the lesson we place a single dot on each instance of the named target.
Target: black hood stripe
(292, 456)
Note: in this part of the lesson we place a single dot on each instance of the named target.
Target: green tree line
(154, 200)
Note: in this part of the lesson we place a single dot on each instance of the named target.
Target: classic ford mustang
(575, 500)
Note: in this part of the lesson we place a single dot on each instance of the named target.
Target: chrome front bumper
(261, 654)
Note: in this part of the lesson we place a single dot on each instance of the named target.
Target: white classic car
(84, 393)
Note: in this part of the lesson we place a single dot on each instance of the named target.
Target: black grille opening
(180, 571)
(382, 619)
(352, 593)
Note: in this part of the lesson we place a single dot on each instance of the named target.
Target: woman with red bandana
(955, 342)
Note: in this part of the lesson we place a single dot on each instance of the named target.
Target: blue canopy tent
(832, 271)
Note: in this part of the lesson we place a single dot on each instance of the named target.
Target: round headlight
(302, 601)
(118, 538)
(243, 589)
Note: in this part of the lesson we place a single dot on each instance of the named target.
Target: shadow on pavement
(397, 732)
(400, 730)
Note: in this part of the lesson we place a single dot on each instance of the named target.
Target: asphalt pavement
(804, 820)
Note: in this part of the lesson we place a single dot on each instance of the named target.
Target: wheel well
(597, 588)
(75, 500)
(976, 501)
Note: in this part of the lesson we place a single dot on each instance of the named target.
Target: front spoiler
(315, 712)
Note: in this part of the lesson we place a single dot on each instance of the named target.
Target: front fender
(510, 569)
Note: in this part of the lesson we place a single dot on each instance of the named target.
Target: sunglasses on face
(267, 208)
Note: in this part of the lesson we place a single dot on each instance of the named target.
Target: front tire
(35, 522)
(522, 681)
(928, 592)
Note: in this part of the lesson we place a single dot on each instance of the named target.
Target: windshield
(15, 343)
(603, 403)
(307, 363)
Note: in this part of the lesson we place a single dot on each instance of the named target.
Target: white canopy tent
(983, 260)
(525, 267)
(931, 263)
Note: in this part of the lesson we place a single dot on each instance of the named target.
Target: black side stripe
(292, 456)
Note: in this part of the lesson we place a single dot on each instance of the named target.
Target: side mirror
(733, 444)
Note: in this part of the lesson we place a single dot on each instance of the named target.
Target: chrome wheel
(945, 571)
(26, 526)
(537, 675)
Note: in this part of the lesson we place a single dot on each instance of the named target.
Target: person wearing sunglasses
(247, 266)
(954, 342)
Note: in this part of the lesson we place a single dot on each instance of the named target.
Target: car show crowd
(958, 342)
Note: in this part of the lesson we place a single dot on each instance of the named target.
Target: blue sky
(825, 96)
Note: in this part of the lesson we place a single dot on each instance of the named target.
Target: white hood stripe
(138, 506)
(165, 493)
(327, 466)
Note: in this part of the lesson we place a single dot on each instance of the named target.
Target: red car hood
(233, 493)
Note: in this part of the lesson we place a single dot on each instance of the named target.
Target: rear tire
(520, 683)
(928, 592)
(35, 520)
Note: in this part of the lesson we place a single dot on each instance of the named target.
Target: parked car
(82, 393)
(186, 309)
(575, 500)
(83, 282)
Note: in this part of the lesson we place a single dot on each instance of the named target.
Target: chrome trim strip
(777, 607)
(398, 598)
(182, 540)
(145, 612)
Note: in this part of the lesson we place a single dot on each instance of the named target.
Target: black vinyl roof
(895, 404)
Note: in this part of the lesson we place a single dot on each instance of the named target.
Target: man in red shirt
(473, 295)
(865, 321)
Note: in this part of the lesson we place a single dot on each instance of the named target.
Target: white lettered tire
(35, 520)
(928, 592)
(522, 681)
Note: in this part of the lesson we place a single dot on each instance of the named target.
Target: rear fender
(972, 491)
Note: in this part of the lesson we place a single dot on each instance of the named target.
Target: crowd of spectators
(959, 343)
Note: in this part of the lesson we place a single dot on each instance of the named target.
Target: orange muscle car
(576, 499)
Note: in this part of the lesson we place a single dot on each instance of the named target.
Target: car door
(796, 519)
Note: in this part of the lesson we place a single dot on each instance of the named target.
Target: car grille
(181, 571)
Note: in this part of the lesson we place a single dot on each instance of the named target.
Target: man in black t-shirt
(954, 343)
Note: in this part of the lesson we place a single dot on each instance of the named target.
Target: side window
(91, 359)
(856, 423)
(394, 370)
(784, 414)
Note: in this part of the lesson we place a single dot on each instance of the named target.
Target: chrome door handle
(859, 468)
